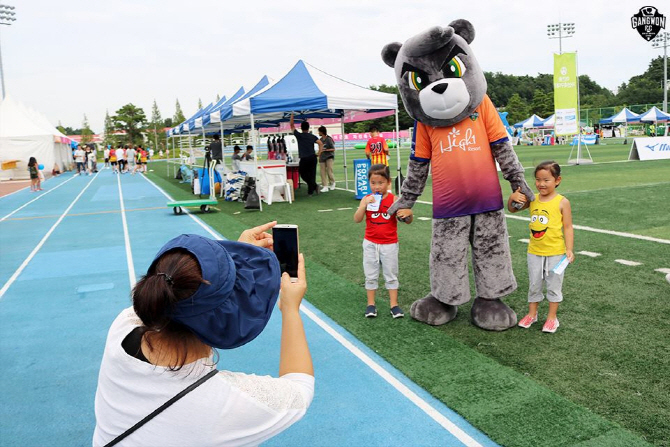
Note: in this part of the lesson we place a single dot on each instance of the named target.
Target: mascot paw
(492, 315)
(430, 310)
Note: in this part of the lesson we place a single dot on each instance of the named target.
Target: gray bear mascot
(459, 136)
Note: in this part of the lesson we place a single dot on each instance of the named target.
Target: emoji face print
(539, 223)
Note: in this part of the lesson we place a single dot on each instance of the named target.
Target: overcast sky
(67, 58)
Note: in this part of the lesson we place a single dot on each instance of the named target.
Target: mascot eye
(374, 215)
(543, 220)
(533, 219)
(417, 81)
(455, 68)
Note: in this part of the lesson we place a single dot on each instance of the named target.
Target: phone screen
(286, 248)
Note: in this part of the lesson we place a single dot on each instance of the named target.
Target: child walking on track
(380, 245)
(33, 170)
(551, 240)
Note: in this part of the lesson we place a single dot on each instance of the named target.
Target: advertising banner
(361, 168)
(566, 94)
(654, 148)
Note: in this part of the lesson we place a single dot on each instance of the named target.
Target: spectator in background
(237, 158)
(106, 156)
(308, 159)
(376, 149)
(216, 149)
(326, 160)
(79, 156)
(247, 154)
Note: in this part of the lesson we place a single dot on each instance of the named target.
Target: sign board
(652, 148)
(361, 168)
(566, 94)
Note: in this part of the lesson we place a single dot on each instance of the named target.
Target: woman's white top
(229, 409)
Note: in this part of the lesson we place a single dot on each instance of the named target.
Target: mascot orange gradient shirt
(461, 158)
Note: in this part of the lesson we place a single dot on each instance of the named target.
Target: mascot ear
(464, 29)
(390, 52)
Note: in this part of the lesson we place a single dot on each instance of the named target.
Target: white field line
(397, 384)
(630, 263)
(525, 241)
(666, 271)
(590, 254)
(36, 198)
(32, 254)
(568, 193)
(324, 211)
(207, 228)
(577, 227)
(126, 237)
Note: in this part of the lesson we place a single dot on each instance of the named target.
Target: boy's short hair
(216, 136)
(236, 148)
(250, 148)
(304, 126)
(323, 130)
(374, 128)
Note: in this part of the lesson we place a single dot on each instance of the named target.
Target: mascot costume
(459, 136)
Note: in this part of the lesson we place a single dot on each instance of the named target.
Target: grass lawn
(602, 379)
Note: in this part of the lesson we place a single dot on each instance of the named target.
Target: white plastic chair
(275, 181)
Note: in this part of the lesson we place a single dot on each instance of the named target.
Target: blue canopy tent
(532, 122)
(654, 115)
(624, 116)
(312, 93)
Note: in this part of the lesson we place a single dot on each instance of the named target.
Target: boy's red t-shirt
(380, 227)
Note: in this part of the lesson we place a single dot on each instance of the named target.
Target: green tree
(168, 122)
(178, 115)
(109, 130)
(517, 109)
(646, 88)
(133, 121)
(86, 132)
(542, 104)
(156, 124)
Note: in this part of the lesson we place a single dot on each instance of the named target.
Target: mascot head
(438, 76)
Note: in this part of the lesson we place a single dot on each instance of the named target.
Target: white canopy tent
(25, 133)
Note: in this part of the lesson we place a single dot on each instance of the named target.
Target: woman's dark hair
(32, 161)
(323, 130)
(550, 166)
(174, 277)
(380, 169)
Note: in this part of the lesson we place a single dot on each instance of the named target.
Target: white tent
(654, 115)
(25, 133)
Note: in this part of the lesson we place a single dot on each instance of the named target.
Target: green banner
(566, 94)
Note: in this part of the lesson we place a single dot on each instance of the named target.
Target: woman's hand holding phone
(292, 291)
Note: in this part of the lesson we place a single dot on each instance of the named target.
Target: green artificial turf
(601, 380)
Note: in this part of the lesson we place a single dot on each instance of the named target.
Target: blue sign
(361, 168)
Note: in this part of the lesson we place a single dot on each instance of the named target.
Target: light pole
(6, 18)
(560, 31)
(662, 40)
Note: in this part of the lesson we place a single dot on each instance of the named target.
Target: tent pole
(222, 147)
(397, 140)
(251, 131)
(344, 154)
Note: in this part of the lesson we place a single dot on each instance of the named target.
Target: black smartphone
(286, 248)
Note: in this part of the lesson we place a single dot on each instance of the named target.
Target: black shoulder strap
(181, 394)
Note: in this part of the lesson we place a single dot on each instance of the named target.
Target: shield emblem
(648, 22)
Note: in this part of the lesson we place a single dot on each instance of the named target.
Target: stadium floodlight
(560, 31)
(7, 16)
(661, 41)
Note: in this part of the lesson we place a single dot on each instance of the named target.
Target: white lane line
(525, 241)
(397, 384)
(206, 227)
(324, 211)
(624, 262)
(590, 254)
(126, 237)
(36, 198)
(347, 208)
(424, 218)
(666, 271)
(641, 185)
(18, 271)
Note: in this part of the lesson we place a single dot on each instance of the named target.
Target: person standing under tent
(376, 149)
(308, 159)
(247, 154)
(215, 149)
(326, 160)
(237, 158)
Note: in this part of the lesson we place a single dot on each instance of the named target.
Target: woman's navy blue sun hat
(243, 288)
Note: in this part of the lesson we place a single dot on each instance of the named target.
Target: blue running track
(68, 257)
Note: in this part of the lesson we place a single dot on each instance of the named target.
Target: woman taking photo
(200, 294)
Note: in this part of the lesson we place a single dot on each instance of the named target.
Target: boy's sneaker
(324, 189)
(550, 326)
(396, 312)
(371, 311)
(332, 186)
(527, 321)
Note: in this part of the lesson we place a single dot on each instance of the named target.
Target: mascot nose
(440, 88)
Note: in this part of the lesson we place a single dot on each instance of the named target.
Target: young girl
(380, 245)
(35, 184)
(549, 214)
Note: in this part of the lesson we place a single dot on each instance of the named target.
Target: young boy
(376, 149)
